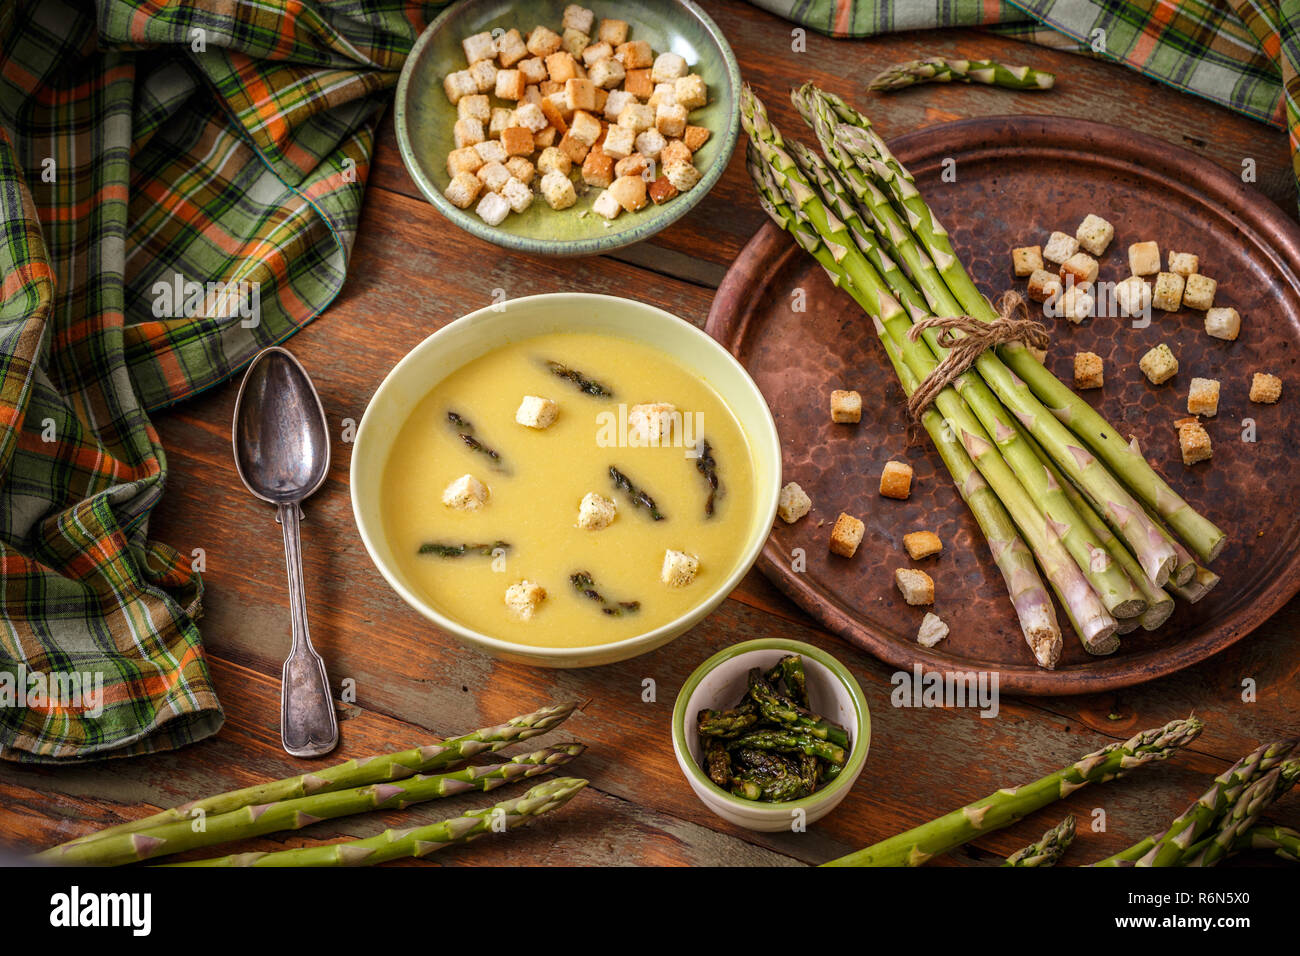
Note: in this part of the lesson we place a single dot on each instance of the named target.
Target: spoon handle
(308, 727)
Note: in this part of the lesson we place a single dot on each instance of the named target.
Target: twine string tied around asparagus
(966, 338)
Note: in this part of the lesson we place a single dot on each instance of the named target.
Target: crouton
(466, 493)
(510, 84)
(613, 32)
(1159, 364)
(1198, 292)
(1059, 248)
(598, 171)
(684, 176)
(578, 18)
(596, 512)
(662, 190)
(931, 631)
(475, 106)
(846, 406)
(637, 117)
(517, 193)
(793, 503)
(463, 189)
(1193, 441)
(596, 52)
(1133, 296)
(524, 598)
(1026, 260)
(607, 73)
(653, 422)
(493, 208)
(1265, 389)
(638, 83)
(579, 94)
(675, 152)
(543, 41)
(491, 151)
(573, 148)
(1168, 292)
(606, 204)
(650, 144)
(670, 119)
(846, 535)
(545, 138)
(1144, 258)
(630, 191)
(584, 127)
(1203, 397)
(1184, 264)
(555, 109)
(664, 94)
(458, 84)
(554, 161)
(695, 136)
(1089, 371)
(485, 75)
(1223, 323)
(1074, 304)
(536, 412)
(510, 48)
(896, 480)
(615, 103)
(557, 190)
(922, 544)
(531, 117)
(679, 568)
(1043, 285)
(574, 42)
(562, 67)
(632, 165)
(480, 46)
(534, 71)
(1094, 234)
(635, 54)
(1081, 269)
(916, 586)
(691, 91)
(619, 141)
(502, 119)
(494, 176)
(517, 141)
(668, 67)
(465, 160)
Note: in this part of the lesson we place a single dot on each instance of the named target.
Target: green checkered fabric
(1242, 54)
(180, 186)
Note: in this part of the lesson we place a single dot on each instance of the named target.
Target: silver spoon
(282, 454)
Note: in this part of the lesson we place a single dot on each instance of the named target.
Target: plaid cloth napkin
(180, 185)
(1242, 54)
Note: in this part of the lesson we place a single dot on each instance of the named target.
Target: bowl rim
(861, 737)
(667, 214)
(766, 432)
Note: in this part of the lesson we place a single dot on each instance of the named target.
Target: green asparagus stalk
(1190, 826)
(352, 773)
(792, 741)
(782, 710)
(415, 842)
(1037, 617)
(1004, 807)
(1242, 815)
(817, 229)
(1201, 535)
(1048, 850)
(1202, 583)
(296, 813)
(1113, 585)
(940, 69)
(1283, 841)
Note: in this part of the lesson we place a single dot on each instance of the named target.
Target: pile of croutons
(605, 106)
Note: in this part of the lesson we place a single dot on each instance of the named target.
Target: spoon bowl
(281, 438)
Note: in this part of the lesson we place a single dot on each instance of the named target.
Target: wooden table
(410, 274)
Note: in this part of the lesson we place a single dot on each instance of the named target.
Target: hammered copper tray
(1017, 179)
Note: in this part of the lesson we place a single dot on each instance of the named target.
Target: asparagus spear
(1033, 607)
(939, 69)
(1108, 578)
(1004, 807)
(1190, 826)
(726, 723)
(717, 761)
(1200, 533)
(415, 841)
(587, 386)
(782, 710)
(1049, 849)
(1283, 841)
(790, 670)
(637, 496)
(1242, 815)
(794, 200)
(351, 773)
(790, 741)
(296, 813)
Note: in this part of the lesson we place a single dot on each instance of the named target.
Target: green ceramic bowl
(720, 682)
(424, 118)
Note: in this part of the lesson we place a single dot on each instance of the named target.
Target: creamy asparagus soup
(568, 490)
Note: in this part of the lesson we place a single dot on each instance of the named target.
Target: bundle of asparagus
(389, 781)
(1045, 476)
(946, 69)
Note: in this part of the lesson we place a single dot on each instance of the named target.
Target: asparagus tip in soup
(638, 496)
(586, 385)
